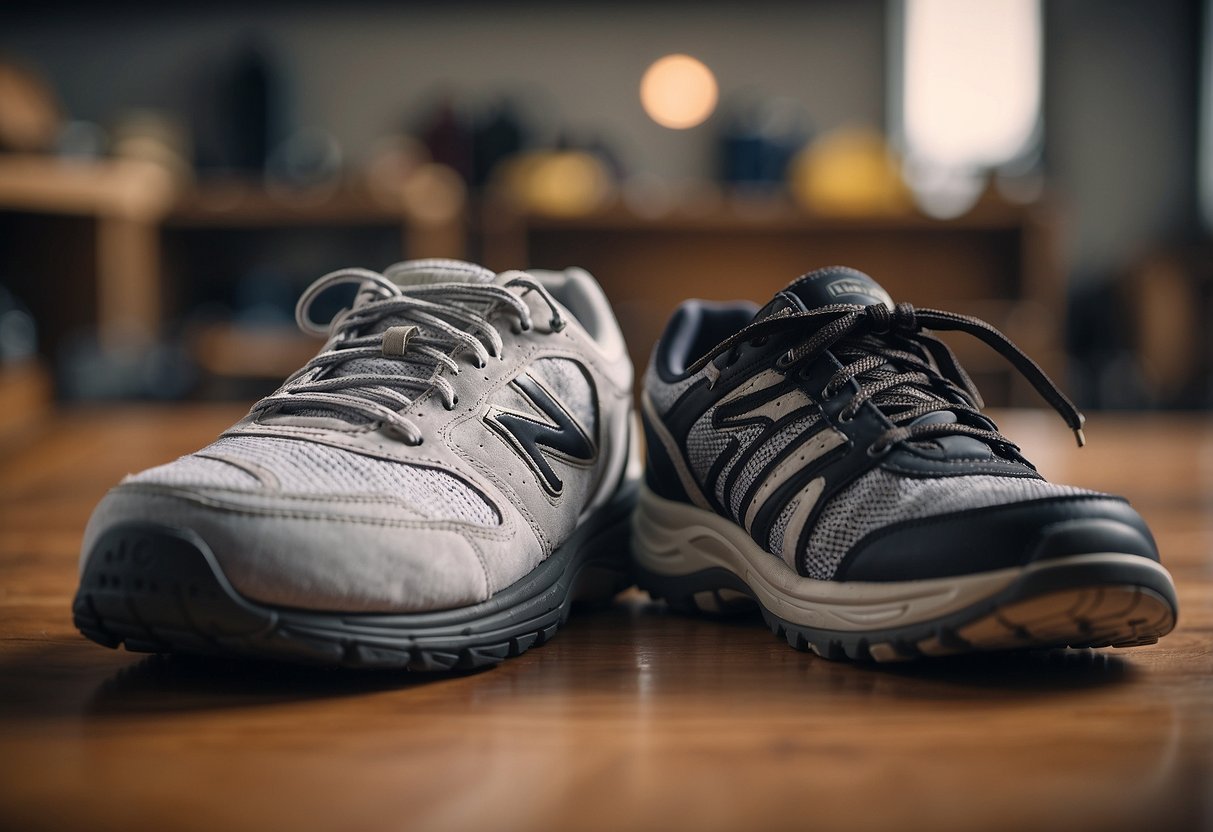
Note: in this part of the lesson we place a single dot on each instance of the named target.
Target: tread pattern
(1111, 615)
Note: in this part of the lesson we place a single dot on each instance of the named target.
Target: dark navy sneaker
(827, 457)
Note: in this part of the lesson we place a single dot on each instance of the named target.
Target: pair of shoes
(461, 462)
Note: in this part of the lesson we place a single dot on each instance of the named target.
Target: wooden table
(633, 718)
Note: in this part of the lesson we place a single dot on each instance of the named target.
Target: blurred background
(172, 175)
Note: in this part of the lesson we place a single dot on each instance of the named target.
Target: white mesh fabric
(765, 455)
(880, 498)
(309, 468)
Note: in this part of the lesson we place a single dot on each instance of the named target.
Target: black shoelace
(900, 368)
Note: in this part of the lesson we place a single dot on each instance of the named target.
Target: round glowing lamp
(678, 92)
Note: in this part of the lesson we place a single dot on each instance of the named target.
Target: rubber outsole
(1113, 605)
(155, 589)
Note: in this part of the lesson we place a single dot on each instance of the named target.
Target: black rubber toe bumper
(998, 537)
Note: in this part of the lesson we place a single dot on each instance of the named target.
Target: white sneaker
(430, 491)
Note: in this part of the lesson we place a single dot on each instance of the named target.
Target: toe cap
(998, 537)
(314, 559)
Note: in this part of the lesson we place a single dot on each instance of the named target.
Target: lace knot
(883, 320)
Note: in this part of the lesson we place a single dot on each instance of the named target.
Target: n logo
(559, 437)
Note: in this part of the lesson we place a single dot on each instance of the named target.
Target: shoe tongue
(823, 287)
(956, 448)
(437, 270)
(838, 284)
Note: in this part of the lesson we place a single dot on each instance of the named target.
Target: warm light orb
(678, 92)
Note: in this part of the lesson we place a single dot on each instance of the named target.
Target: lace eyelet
(760, 341)
(877, 449)
(844, 416)
(558, 324)
(784, 361)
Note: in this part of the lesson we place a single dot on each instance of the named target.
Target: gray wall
(1120, 126)
(358, 70)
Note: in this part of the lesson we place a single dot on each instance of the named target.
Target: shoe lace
(900, 368)
(422, 329)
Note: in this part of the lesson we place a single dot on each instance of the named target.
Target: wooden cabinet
(153, 247)
(117, 247)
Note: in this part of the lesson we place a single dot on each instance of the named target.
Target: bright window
(967, 87)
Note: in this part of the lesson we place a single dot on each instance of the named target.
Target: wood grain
(633, 718)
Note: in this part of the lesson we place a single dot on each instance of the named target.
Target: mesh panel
(775, 541)
(410, 366)
(664, 394)
(746, 437)
(704, 444)
(880, 498)
(571, 387)
(765, 455)
(308, 468)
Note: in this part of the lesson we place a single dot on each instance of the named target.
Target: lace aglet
(1080, 437)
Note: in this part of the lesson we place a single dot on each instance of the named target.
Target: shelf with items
(144, 248)
(266, 352)
(126, 199)
(998, 261)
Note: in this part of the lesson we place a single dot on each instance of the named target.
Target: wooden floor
(633, 718)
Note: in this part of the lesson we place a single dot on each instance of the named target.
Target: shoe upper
(847, 440)
(450, 434)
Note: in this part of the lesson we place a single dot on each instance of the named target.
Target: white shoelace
(432, 325)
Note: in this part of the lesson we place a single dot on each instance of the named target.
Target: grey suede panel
(314, 560)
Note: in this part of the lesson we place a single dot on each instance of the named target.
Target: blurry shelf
(235, 351)
(127, 199)
(110, 187)
(766, 214)
(243, 203)
(132, 203)
(998, 261)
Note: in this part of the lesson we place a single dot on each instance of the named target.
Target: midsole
(672, 539)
